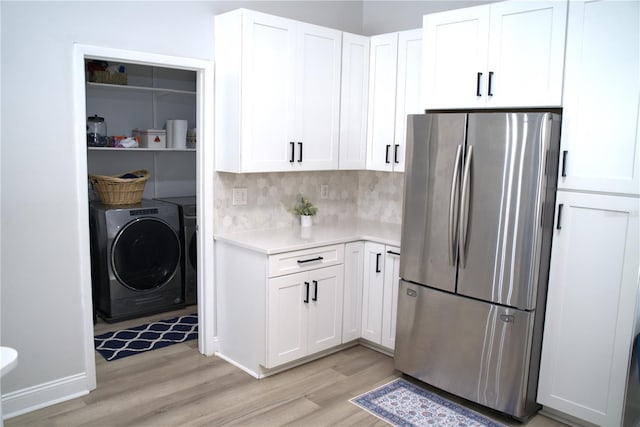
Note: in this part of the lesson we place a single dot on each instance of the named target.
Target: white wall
(41, 312)
(380, 17)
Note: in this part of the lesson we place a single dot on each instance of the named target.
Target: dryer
(189, 241)
(135, 259)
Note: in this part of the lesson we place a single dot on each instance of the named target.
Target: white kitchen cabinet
(353, 280)
(506, 54)
(304, 314)
(379, 296)
(590, 314)
(600, 146)
(353, 101)
(390, 300)
(394, 88)
(277, 308)
(277, 93)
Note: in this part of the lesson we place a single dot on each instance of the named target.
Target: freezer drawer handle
(558, 224)
(393, 253)
(306, 299)
(315, 291)
(378, 263)
(302, 261)
(386, 155)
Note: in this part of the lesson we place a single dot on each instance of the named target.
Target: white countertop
(274, 241)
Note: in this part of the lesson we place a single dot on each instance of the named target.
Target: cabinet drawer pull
(293, 151)
(478, 84)
(300, 154)
(306, 299)
(386, 154)
(564, 163)
(558, 224)
(489, 91)
(302, 261)
(378, 263)
(395, 154)
(315, 291)
(393, 253)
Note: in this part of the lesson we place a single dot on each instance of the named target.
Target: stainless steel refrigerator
(476, 237)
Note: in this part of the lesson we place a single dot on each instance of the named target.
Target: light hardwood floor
(177, 386)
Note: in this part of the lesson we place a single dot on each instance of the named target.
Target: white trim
(32, 398)
(204, 187)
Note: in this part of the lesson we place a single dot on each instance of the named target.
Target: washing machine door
(145, 254)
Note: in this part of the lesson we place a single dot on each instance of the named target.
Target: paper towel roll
(177, 133)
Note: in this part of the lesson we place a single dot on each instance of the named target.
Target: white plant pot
(306, 220)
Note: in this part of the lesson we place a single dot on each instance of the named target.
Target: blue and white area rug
(126, 342)
(401, 403)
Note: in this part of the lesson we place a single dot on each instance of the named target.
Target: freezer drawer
(470, 348)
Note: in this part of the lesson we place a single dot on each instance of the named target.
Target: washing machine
(135, 259)
(189, 241)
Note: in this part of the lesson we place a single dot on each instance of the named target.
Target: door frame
(207, 340)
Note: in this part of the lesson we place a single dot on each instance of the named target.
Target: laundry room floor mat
(150, 336)
(401, 403)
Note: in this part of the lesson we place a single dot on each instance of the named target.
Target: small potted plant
(306, 210)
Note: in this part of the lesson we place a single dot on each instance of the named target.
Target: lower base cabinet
(304, 314)
(591, 303)
(380, 293)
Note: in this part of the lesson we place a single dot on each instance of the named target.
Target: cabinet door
(325, 308)
(600, 136)
(268, 92)
(407, 89)
(317, 108)
(390, 301)
(589, 322)
(353, 101)
(353, 276)
(287, 314)
(383, 61)
(526, 54)
(373, 292)
(455, 52)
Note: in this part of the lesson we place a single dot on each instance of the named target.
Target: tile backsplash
(270, 196)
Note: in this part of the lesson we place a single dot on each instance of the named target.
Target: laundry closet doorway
(160, 161)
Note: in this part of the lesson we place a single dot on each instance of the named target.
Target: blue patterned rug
(401, 403)
(126, 342)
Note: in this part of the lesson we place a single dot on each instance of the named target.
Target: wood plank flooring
(177, 386)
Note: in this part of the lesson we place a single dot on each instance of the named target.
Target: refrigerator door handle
(464, 204)
(453, 207)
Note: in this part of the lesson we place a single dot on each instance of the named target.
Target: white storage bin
(151, 138)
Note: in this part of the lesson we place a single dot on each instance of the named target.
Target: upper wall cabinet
(277, 88)
(507, 54)
(394, 92)
(600, 146)
(353, 101)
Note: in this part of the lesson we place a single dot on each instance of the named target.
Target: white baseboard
(32, 398)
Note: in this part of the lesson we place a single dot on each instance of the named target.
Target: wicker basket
(114, 190)
(108, 77)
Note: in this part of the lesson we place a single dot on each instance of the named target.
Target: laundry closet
(143, 255)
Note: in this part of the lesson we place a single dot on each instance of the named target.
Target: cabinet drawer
(293, 262)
